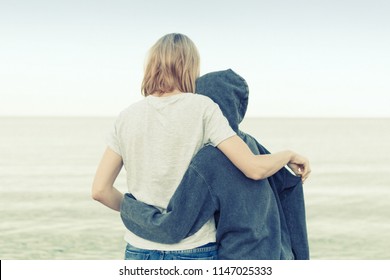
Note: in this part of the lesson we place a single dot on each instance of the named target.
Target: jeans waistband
(204, 248)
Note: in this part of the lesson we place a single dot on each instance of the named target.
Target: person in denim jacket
(256, 219)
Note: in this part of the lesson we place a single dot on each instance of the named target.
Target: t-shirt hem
(221, 139)
(114, 149)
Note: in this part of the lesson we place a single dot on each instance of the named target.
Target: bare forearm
(262, 166)
(106, 174)
(110, 197)
(267, 165)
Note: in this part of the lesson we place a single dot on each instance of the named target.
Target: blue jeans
(205, 252)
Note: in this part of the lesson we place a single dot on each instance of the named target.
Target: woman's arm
(259, 167)
(106, 174)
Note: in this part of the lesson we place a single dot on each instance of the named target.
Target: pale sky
(328, 58)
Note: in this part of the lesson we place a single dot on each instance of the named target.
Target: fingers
(306, 173)
(300, 166)
(294, 168)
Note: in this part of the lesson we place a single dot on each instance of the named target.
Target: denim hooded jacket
(262, 219)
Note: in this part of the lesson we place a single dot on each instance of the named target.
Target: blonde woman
(156, 138)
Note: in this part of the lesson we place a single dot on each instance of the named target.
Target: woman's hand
(300, 166)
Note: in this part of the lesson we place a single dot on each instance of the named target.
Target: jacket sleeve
(189, 209)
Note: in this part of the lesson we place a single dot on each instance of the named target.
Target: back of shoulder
(201, 101)
(139, 105)
(202, 98)
(131, 111)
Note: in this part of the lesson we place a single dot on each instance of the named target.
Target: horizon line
(246, 117)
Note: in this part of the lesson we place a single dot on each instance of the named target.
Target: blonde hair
(172, 64)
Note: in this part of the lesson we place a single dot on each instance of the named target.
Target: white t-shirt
(157, 138)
